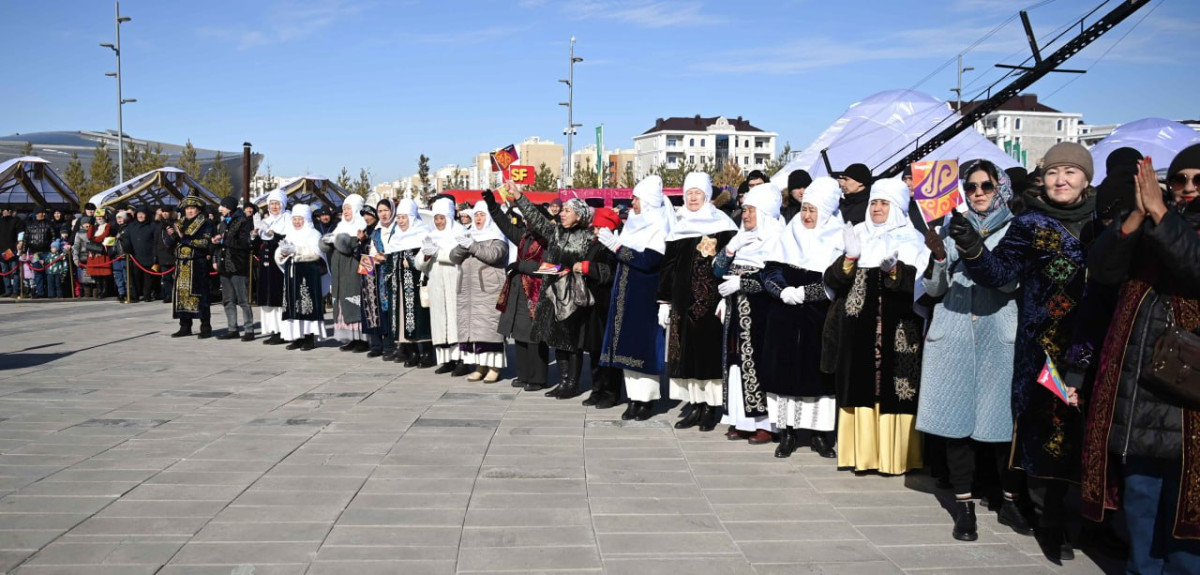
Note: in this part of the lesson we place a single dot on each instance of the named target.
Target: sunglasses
(987, 187)
(1179, 181)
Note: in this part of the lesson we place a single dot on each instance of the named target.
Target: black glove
(966, 239)
(510, 268)
(489, 198)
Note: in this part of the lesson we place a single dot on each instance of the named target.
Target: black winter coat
(137, 239)
(232, 255)
(10, 226)
(39, 234)
(164, 253)
(1144, 424)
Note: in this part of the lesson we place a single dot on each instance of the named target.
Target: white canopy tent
(31, 181)
(164, 186)
(316, 191)
(1158, 138)
(883, 128)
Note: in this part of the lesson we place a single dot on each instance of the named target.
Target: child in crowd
(56, 270)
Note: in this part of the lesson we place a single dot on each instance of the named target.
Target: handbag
(568, 294)
(423, 295)
(1175, 366)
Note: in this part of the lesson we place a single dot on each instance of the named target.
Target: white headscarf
(816, 249)
(895, 236)
(411, 238)
(444, 239)
(283, 222)
(490, 230)
(648, 230)
(307, 237)
(356, 223)
(766, 199)
(707, 220)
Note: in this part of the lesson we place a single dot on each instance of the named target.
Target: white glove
(608, 239)
(465, 241)
(266, 233)
(286, 249)
(792, 295)
(327, 239)
(664, 315)
(853, 247)
(738, 242)
(720, 312)
(889, 263)
(730, 286)
(429, 248)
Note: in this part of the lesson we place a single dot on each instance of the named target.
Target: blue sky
(321, 84)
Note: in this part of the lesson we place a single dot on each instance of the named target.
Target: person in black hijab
(798, 181)
(856, 183)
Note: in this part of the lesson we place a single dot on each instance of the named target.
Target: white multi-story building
(1029, 126)
(697, 140)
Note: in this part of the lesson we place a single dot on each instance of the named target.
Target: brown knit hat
(1069, 154)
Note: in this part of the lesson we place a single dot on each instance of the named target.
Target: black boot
(205, 330)
(645, 410)
(401, 353)
(592, 398)
(229, 334)
(274, 339)
(1055, 543)
(296, 344)
(461, 369)
(787, 443)
(427, 359)
(445, 368)
(607, 401)
(820, 444)
(349, 346)
(248, 336)
(964, 524)
(554, 391)
(185, 329)
(692, 419)
(1010, 515)
(710, 417)
(568, 389)
(361, 346)
(531, 386)
(310, 343)
(630, 410)
(412, 358)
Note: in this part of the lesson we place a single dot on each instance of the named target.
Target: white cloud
(489, 34)
(288, 20)
(660, 14)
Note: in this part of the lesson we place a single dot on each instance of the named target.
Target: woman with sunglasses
(966, 372)
(1043, 250)
(1136, 428)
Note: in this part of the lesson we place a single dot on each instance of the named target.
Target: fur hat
(1069, 154)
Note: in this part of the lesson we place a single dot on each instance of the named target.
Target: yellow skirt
(867, 440)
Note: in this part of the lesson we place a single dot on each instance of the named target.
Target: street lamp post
(121, 101)
(570, 104)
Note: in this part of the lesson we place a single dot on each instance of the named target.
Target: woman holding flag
(1044, 249)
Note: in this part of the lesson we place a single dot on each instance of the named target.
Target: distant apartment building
(1027, 128)
(618, 162)
(674, 141)
(534, 151)
(451, 177)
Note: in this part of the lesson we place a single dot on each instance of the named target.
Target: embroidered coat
(412, 321)
(478, 287)
(633, 340)
(268, 283)
(1048, 261)
(880, 360)
(966, 370)
(791, 363)
(191, 245)
(522, 288)
(346, 286)
(688, 284)
(745, 331)
(1158, 268)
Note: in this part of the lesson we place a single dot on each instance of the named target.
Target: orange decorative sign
(524, 175)
(936, 191)
(503, 158)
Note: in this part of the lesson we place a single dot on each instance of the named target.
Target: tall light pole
(958, 88)
(121, 101)
(570, 104)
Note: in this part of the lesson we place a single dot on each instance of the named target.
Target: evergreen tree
(362, 186)
(425, 192)
(26, 150)
(217, 179)
(103, 172)
(133, 160)
(153, 159)
(76, 178)
(188, 161)
(544, 180)
(583, 177)
(343, 179)
(729, 176)
(776, 164)
(628, 180)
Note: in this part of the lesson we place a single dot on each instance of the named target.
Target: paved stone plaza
(125, 451)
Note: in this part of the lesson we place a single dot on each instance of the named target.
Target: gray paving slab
(193, 457)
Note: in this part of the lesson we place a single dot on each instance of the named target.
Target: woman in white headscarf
(411, 319)
(688, 298)
(482, 252)
(739, 268)
(268, 232)
(879, 364)
(303, 268)
(799, 394)
(341, 250)
(442, 284)
(633, 341)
